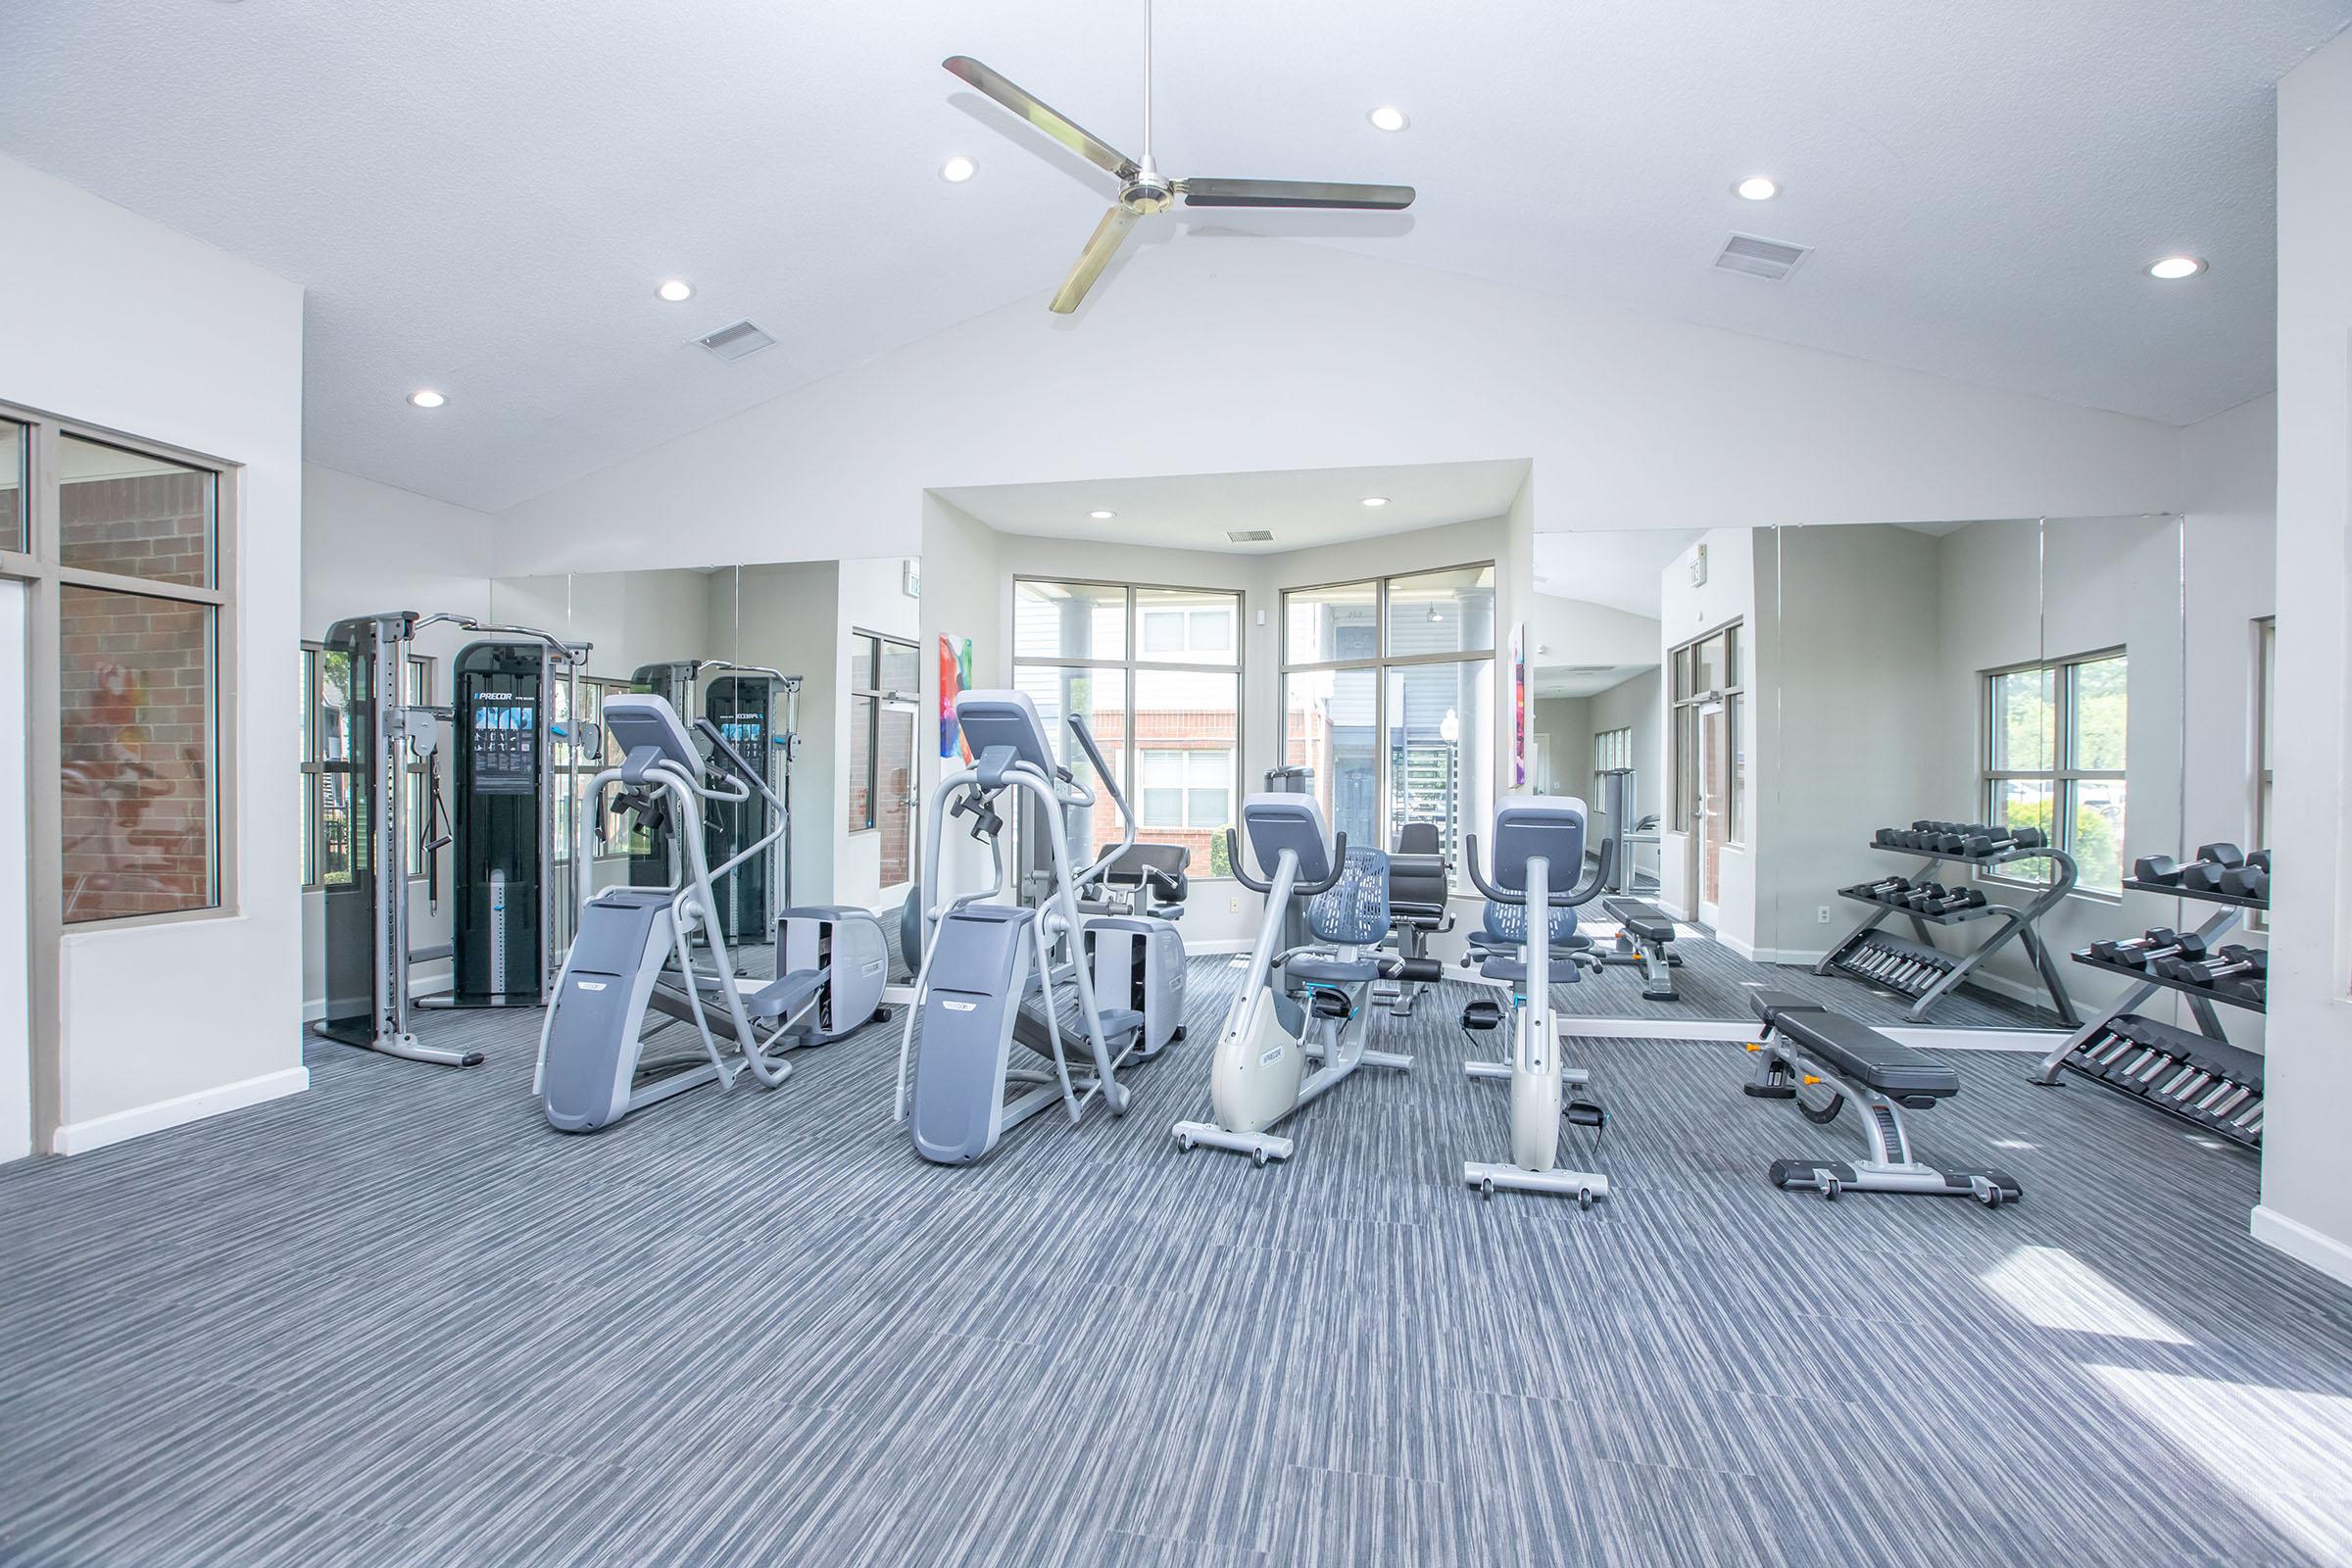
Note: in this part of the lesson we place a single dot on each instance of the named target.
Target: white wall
(15, 1019)
(1577, 631)
(145, 331)
(1632, 422)
(788, 618)
(2306, 1169)
(965, 595)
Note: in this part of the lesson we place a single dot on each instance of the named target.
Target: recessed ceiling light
(426, 398)
(956, 169)
(1101, 515)
(676, 290)
(1376, 501)
(1387, 116)
(1755, 188)
(2177, 267)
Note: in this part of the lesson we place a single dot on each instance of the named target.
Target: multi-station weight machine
(514, 895)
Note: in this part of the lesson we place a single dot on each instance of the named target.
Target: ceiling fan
(1142, 189)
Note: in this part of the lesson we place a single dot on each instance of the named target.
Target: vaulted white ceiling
(481, 198)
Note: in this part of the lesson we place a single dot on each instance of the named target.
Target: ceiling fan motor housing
(1148, 192)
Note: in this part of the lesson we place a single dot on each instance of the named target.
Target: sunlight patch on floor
(2052, 1288)
(2287, 1452)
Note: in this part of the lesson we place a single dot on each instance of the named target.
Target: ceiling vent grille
(1768, 259)
(1249, 536)
(1583, 670)
(734, 342)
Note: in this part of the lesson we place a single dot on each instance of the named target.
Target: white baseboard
(81, 1137)
(313, 1008)
(2301, 1243)
(1198, 949)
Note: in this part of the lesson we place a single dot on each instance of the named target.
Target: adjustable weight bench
(1642, 932)
(1806, 1044)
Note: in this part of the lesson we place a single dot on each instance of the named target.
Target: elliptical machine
(1259, 1075)
(636, 948)
(996, 974)
(1532, 834)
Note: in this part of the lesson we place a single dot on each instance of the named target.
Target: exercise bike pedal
(1583, 1113)
(1482, 1014)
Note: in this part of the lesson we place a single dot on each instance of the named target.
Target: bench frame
(1781, 1065)
(1657, 966)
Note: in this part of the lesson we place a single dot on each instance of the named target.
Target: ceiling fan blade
(1099, 249)
(1085, 143)
(1293, 193)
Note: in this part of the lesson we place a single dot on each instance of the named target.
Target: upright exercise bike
(1259, 1075)
(1532, 834)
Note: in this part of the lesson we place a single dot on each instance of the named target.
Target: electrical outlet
(1821, 916)
(1233, 906)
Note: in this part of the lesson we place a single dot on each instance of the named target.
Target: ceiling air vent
(734, 342)
(1583, 670)
(1768, 259)
(1249, 536)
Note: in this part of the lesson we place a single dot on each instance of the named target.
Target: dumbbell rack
(1949, 970)
(2091, 1051)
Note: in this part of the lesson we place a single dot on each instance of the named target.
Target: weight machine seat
(786, 995)
(1859, 1053)
(1645, 922)
(1329, 970)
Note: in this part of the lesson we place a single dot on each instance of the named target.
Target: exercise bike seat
(1511, 968)
(1859, 1053)
(785, 994)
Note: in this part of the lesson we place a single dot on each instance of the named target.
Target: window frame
(1682, 711)
(2061, 775)
(1184, 786)
(1133, 664)
(866, 685)
(40, 566)
(1380, 663)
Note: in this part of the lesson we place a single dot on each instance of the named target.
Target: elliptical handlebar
(724, 748)
(1241, 872)
(1584, 892)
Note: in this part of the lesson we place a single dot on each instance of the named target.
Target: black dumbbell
(1999, 840)
(2248, 881)
(2133, 950)
(2160, 869)
(2231, 959)
(1957, 899)
(2213, 861)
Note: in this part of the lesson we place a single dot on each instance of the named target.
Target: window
(1186, 789)
(1613, 748)
(1708, 672)
(327, 824)
(2055, 759)
(1156, 673)
(1388, 700)
(123, 542)
(12, 486)
(883, 673)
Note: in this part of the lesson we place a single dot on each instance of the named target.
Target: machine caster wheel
(1486, 1189)
(1184, 1145)
(1257, 1158)
(1831, 1187)
(881, 1015)
(1177, 1037)
(1584, 1198)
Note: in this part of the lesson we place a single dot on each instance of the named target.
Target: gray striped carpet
(1714, 983)
(396, 1321)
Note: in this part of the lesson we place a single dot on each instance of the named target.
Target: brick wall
(135, 718)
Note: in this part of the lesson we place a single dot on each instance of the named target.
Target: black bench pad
(1861, 1054)
(1646, 921)
(1770, 1004)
